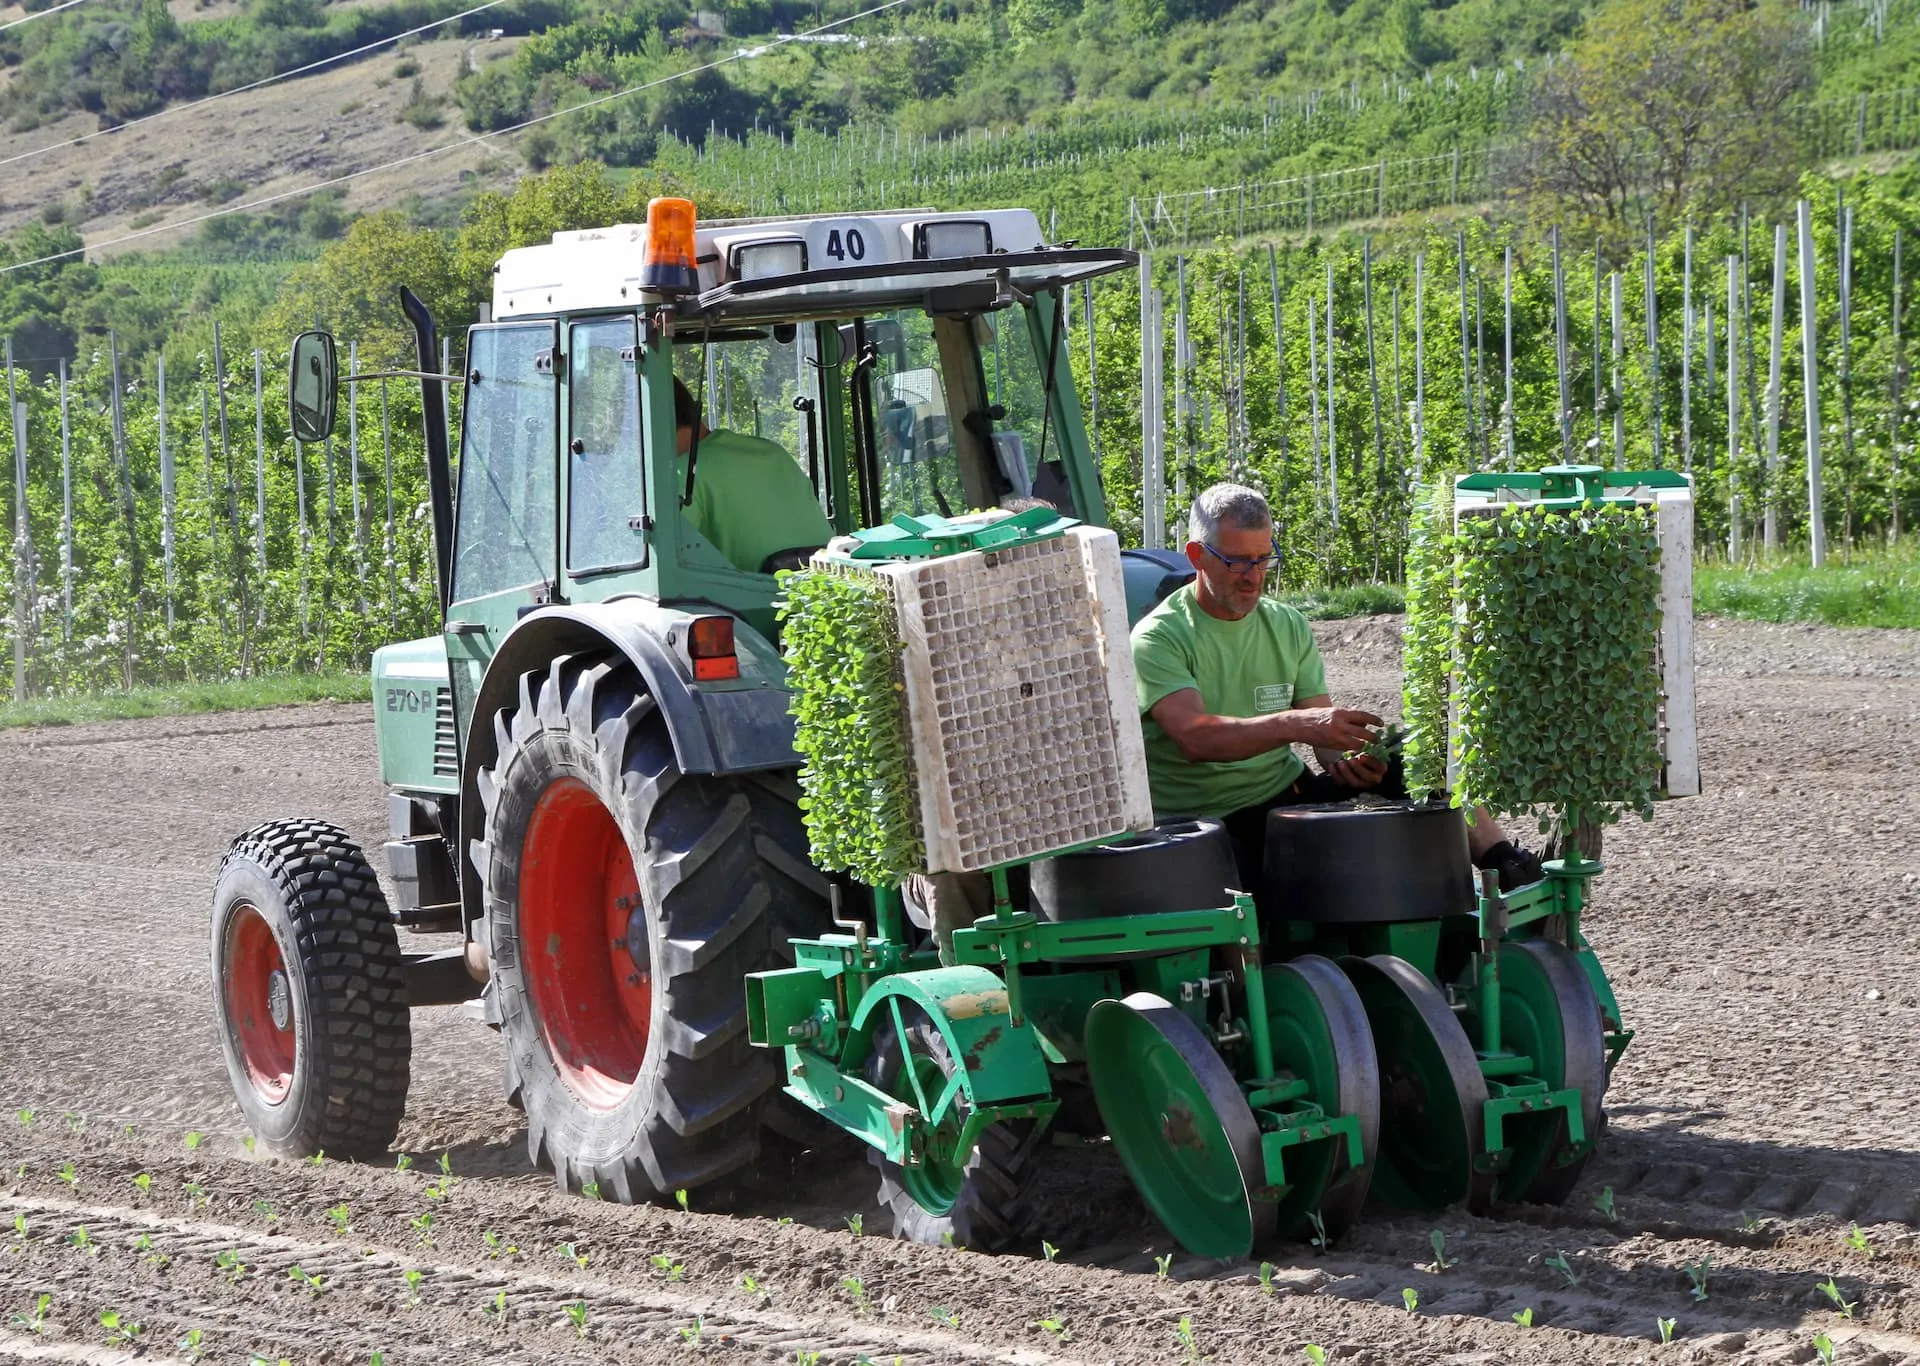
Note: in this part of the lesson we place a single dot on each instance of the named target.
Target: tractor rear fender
(968, 1005)
(737, 726)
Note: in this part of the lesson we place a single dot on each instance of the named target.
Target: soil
(1764, 938)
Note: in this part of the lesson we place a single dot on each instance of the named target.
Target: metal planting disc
(1180, 1124)
(1320, 1033)
(1549, 1013)
(1432, 1093)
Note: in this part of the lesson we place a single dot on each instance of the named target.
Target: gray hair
(1233, 506)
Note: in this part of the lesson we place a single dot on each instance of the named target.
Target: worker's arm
(1359, 772)
(1203, 737)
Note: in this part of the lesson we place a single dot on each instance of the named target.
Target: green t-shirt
(750, 498)
(1265, 662)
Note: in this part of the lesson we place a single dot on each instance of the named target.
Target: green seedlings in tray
(119, 1329)
(856, 1223)
(229, 1262)
(1411, 1298)
(1841, 1303)
(497, 1247)
(1823, 1348)
(1266, 1278)
(1565, 1268)
(1048, 1250)
(1438, 1240)
(577, 1316)
(34, 1321)
(667, 1267)
(1525, 1317)
(341, 1217)
(1054, 1327)
(1857, 1240)
(1666, 1329)
(857, 1292)
(1697, 1274)
(1604, 1203)
(1163, 1265)
(691, 1334)
(314, 1285)
(412, 1277)
(946, 1318)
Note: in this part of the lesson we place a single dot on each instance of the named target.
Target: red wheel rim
(578, 893)
(259, 1004)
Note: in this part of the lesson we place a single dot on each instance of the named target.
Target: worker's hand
(1357, 771)
(1338, 728)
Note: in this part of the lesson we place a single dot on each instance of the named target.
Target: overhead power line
(38, 14)
(243, 89)
(463, 140)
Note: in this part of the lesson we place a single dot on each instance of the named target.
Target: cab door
(506, 522)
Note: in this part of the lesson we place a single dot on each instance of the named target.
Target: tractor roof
(818, 265)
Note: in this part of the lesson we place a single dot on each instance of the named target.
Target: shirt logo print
(1272, 697)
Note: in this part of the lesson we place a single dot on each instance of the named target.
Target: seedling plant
(1163, 1265)
(1666, 1328)
(1823, 1348)
(1316, 1354)
(412, 1277)
(120, 1330)
(1697, 1274)
(1266, 1278)
(1438, 1241)
(946, 1318)
(1525, 1317)
(34, 1321)
(667, 1267)
(229, 1262)
(577, 1316)
(315, 1285)
(1858, 1242)
(341, 1217)
(1565, 1268)
(1054, 1327)
(1411, 1298)
(857, 1292)
(1841, 1303)
(497, 1247)
(1604, 1203)
(691, 1333)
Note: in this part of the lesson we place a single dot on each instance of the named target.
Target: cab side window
(606, 487)
(505, 532)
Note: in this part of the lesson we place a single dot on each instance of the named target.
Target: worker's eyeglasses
(1236, 565)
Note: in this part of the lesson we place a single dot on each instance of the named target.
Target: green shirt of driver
(751, 499)
(1265, 662)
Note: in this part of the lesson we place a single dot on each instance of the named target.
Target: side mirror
(313, 381)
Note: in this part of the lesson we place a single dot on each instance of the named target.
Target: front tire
(626, 902)
(309, 990)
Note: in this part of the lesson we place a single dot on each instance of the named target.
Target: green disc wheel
(1432, 1093)
(1180, 1124)
(1548, 1012)
(1320, 1035)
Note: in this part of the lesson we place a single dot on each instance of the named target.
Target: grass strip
(1870, 589)
(180, 699)
(1351, 600)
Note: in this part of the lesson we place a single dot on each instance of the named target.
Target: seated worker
(1230, 681)
(750, 498)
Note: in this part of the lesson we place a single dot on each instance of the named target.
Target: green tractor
(596, 796)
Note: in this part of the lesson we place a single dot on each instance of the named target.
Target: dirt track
(1765, 940)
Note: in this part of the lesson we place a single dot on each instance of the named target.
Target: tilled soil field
(1765, 1124)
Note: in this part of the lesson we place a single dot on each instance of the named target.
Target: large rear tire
(310, 993)
(626, 902)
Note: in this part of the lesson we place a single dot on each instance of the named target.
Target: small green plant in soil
(680, 1199)
(1842, 1305)
(196, 1195)
(946, 1318)
(25, 1117)
(247, 1142)
(1266, 1278)
(1823, 1348)
(266, 1211)
(403, 1162)
(1316, 1354)
(1054, 1327)
(572, 1253)
(319, 1159)
(1697, 1275)
(314, 1284)
(1604, 1203)
(691, 1333)
(229, 1262)
(194, 1139)
(82, 1241)
(857, 1292)
(1859, 1242)
(1666, 1327)
(1411, 1298)
(19, 1231)
(1163, 1266)
(143, 1182)
(121, 1330)
(495, 1309)
(577, 1316)
(756, 1288)
(497, 1247)
(590, 1189)
(1048, 1250)
(143, 1244)
(70, 1176)
(1565, 1268)
(856, 1224)
(35, 1319)
(1525, 1317)
(1183, 1331)
(1438, 1241)
(341, 1217)
(1319, 1239)
(412, 1277)
(189, 1344)
(422, 1224)
(667, 1267)
(803, 1357)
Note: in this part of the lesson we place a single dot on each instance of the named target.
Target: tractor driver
(1230, 681)
(750, 498)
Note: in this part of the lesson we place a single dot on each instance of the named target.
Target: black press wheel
(626, 902)
(979, 1199)
(309, 991)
